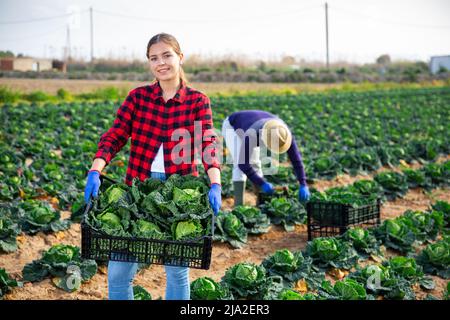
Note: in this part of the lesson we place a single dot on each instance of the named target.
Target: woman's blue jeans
(121, 275)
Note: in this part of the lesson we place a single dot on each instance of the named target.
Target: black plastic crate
(328, 219)
(99, 246)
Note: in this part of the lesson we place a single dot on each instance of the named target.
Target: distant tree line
(238, 69)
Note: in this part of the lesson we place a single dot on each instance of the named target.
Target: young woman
(152, 116)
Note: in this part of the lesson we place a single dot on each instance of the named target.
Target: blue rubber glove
(267, 188)
(303, 193)
(92, 185)
(215, 197)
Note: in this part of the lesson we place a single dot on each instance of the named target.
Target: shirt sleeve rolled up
(209, 150)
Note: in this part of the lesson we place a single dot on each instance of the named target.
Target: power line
(34, 36)
(209, 20)
(365, 16)
(39, 19)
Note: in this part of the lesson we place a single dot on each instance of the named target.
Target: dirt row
(223, 255)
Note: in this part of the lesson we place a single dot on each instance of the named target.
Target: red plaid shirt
(149, 121)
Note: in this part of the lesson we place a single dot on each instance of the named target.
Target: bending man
(244, 133)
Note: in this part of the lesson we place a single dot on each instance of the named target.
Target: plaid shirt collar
(179, 96)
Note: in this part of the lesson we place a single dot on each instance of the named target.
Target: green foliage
(205, 288)
(63, 263)
(230, 229)
(425, 225)
(395, 234)
(145, 229)
(8, 95)
(394, 184)
(380, 280)
(293, 267)
(139, 293)
(408, 269)
(443, 206)
(186, 230)
(253, 219)
(7, 283)
(344, 195)
(363, 241)
(40, 216)
(435, 258)
(331, 253)
(37, 96)
(177, 209)
(249, 281)
(63, 94)
(417, 179)
(287, 212)
(447, 292)
(9, 230)
(289, 294)
(347, 289)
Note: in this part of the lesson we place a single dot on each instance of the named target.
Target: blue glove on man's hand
(92, 185)
(303, 193)
(215, 197)
(267, 188)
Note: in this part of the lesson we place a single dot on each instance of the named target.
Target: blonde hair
(171, 41)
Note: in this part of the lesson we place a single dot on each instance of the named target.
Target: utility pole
(92, 34)
(68, 56)
(326, 32)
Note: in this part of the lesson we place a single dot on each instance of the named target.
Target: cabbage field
(392, 145)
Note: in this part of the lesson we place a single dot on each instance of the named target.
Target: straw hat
(276, 136)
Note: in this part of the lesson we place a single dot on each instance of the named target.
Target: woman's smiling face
(164, 62)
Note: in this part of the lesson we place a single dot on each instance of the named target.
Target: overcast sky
(359, 30)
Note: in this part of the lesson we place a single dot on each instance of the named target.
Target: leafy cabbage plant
(139, 293)
(393, 183)
(230, 229)
(253, 219)
(175, 209)
(285, 211)
(145, 229)
(187, 230)
(40, 216)
(290, 294)
(363, 241)
(444, 207)
(9, 230)
(395, 234)
(347, 289)
(293, 266)
(379, 280)
(63, 263)
(331, 253)
(425, 225)
(249, 281)
(417, 179)
(407, 268)
(7, 283)
(435, 258)
(205, 288)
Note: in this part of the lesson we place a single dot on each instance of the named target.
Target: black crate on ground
(328, 219)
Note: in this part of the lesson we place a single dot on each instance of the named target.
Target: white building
(438, 62)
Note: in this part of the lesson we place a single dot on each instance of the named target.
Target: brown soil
(223, 255)
(51, 86)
